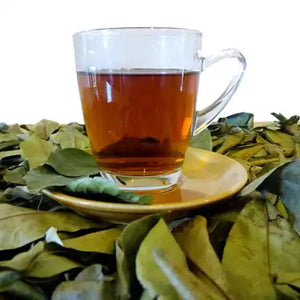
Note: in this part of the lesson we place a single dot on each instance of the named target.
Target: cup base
(143, 183)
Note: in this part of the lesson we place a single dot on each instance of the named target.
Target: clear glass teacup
(138, 89)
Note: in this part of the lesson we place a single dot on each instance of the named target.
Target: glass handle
(205, 116)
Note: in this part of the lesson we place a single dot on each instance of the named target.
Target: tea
(139, 121)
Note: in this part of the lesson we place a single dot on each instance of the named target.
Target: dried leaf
(148, 271)
(245, 258)
(36, 150)
(70, 137)
(8, 276)
(126, 250)
(83, 290)
(44, 128)
(73, 162)
(202, 140)
(16, 175)
(4, 154)
(100, 185)
(102, 241)
(20, 226)
(231, 141)
(284, 249)
(193, 238)
(43, 177)
(47, 265)
(243, 120)
(21, 290)
(187, 285)
(8, 137)
(282, 139)
(285, 182)
(8, 144)
(22, 261)
(93, 272)
(245, 153)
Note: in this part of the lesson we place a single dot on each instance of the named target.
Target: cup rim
(139, 29)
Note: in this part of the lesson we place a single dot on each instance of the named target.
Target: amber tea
(139, 121)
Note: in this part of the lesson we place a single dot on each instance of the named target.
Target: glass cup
(138, 89)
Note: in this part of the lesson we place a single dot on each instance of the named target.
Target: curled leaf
(194, 240)
(148, 271)
(100, 185)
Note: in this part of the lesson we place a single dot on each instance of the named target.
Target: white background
(37, 70)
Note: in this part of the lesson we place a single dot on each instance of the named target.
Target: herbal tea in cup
(138, 89)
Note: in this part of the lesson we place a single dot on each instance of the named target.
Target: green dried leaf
(90, 283)
(4, 154)
(219, 226)
(102, 241)
(146, 296)
(100, 185)
(93, 272)
(3, 127)
(47, 265)
(43, 177)
(297, 146)
(9, 144)
(84, 258)
(245, 153)
(231, 141)
(36, 150)
(16, 175)
(202, 140)
(251, 187)
(44, 128)
(20, 226)
(281, 208)
(193, 239)
(20, 196)
(245, 258)
(73, 162)
(285, 292)
(70, 137)
(217, 142)
(264, 160)
(22, 261)
(21, 290)
(290, 278)
(249, 138)
(261, 153)
(289, 125)
(285, 182)
(126, 250)
(243, 120)
(8, 137)
(282, 139)
(123, 274)
(148, 272)
(16, 129)
(7, 276)
(284, 249)
(83, 290)
(187, 285)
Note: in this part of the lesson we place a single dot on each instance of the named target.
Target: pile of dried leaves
(245, 249)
